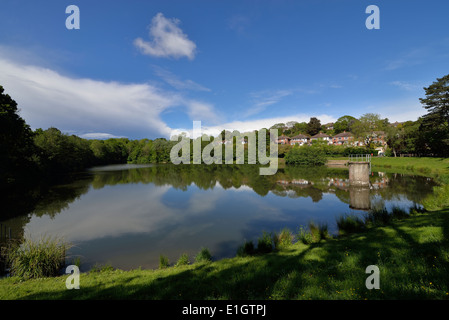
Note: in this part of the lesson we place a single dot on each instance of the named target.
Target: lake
(128, 215)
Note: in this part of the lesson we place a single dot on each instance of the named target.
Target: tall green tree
(16, 143)
(436, 121)
(314, 126)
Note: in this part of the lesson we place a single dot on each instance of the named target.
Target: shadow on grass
(410, 268)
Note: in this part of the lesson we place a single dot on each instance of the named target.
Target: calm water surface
(128, 215)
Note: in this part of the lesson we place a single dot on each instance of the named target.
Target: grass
(418, 165)
(36, 258)
(412, 255)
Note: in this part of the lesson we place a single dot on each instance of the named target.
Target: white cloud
(167, 40)
(98, 135)
(91, 107)
(201, 111)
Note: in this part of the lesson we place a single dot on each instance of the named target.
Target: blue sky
(147, 69)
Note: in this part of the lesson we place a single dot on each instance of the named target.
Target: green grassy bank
(424, 165)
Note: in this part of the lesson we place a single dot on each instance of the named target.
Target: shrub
(183, 260)
(306, 156)
(163, 262)
(304, 236)
(203, 256)
(265, 243)
(37, 258)
(315, 234)
(284, 239)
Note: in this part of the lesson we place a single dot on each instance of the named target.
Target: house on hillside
(329, 126)
(342, 138)
(321, 136)
(283, 140)
(379, 137)
(300, 140)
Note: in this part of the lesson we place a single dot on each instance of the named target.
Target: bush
(183, 260)
(203, 256)
(246, 249)
(163, 262)
(265, 243)
(37, 258)
(284, 239)
(306, 156)
(304, 236)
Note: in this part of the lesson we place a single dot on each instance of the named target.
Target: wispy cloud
(177, 83)
(239, 23)
(167, 40)
(408, 86)
(413, 57)
(262, 99)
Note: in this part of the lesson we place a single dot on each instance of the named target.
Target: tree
(367, 124)
(16, 144)
(436, 121)
(314, 126)
(344, 123)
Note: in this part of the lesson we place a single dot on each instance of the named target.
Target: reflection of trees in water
(292, 182)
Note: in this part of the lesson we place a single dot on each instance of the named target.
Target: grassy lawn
(412, 256)
(419, 165)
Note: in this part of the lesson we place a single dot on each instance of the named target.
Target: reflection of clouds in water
(126, 209)
(108, 212)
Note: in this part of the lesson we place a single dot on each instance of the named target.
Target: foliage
(163, 262)
(344, 123)
(265, 243)
(16, 144)
(183, 260)
(306, 156)
(314, 126)
(203, 255)
(304, 236)
(37, 258)
(284, 239)
(246, 249)
(348, 224)
(367, 124)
